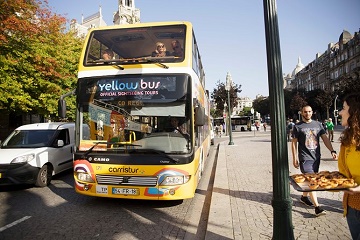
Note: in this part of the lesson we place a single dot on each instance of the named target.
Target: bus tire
(201, 166)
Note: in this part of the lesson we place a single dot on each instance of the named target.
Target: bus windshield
(136, 45)
(133, 112)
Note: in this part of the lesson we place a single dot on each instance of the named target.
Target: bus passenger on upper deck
(160, 50)
(178, 50)
(108, 54)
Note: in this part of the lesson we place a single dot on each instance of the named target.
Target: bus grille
(126, 180)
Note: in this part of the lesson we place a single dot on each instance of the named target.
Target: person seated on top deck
(108, 54)
(160, 50)
(178, 50)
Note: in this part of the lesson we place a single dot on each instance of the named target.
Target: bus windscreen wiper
(90, 149)
(157, 60)
(120, 145)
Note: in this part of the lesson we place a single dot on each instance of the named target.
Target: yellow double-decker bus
(143, 114)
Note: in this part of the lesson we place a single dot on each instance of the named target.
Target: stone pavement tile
(220, 223)
(247, 166)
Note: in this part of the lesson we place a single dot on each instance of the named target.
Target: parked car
(33, 153)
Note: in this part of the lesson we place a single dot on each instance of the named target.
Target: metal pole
(230, 128)
(254, 124)
(226, 119)
(281, 201)
(335, 113)
(253, 120)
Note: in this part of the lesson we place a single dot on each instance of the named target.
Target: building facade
(339, 63)
(242, 102)
(92, 21)
(125, 14)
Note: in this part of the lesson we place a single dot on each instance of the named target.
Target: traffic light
(336, 113)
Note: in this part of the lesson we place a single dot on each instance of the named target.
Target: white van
(33, 153)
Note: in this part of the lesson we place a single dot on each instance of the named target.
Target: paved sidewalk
(241, 200)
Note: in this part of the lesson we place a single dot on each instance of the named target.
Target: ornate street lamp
(227, 88)
(335, 110)
(226, 116)
(281, 200)
(253, 121)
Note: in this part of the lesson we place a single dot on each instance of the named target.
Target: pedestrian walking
(330, 129)
(289, 129)
(349, 164)
(264, 125)
(257, 125)
(324, 126)
(306, 151)
(220, 130)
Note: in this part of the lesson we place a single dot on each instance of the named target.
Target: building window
(352, 66)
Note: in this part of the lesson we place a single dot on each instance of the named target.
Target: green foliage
(39, 62)
(262, 105)
(298, 101)
(350, 85)
(324, 100)
(246, 111)
(220, 96)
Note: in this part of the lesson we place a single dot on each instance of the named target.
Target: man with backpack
(289, 129)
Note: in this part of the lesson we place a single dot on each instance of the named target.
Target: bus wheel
(44, 176)
(201, 166)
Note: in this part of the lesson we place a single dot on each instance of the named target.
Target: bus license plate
(125, 191)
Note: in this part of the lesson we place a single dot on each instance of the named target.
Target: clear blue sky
(231, 33)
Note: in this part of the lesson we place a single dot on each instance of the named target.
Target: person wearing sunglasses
(178, 50)
(108, 54)
(160, 50)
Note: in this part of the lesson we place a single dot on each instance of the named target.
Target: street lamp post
(335, 110)
(227, 88)
(281, 200)
(253, 121)
(226, 117)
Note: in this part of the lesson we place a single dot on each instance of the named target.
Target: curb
(220, 216)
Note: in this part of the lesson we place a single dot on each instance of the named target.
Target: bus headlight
(175, 180)
(84, 177)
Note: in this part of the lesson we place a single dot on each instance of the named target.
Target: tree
(39, 59)
(219, 95)
(324, 99)
(262, 105)
(246, 111)
(297, 103)
(350, 85)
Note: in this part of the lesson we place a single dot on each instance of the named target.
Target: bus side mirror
(199, 116)
(62, 108)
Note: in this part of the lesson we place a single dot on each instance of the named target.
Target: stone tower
(127, 13)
